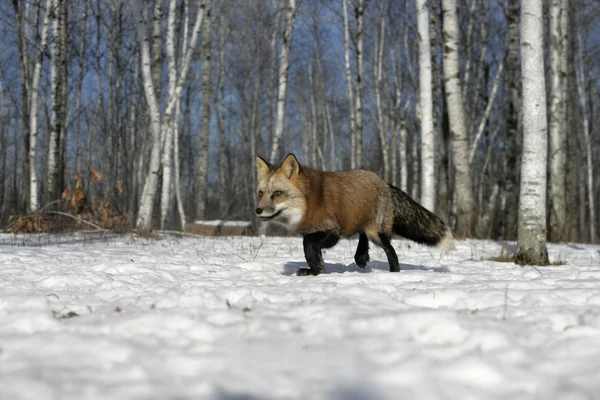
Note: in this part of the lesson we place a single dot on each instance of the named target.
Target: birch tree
(350, 87)
(456, 114)
(532, 200)
(205, 123)
(428, 187)
(284, 66)
(33, 113)
(359, 12)
(56, 117)
(158, 123)
(168, 133)
(557, 124)
(80, 75)
(378, 76)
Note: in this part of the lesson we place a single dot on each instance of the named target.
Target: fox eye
(277, 193)
(260, 193)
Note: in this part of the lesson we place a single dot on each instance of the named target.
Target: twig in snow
(78, 219)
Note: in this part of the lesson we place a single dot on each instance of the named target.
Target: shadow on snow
(290, 268)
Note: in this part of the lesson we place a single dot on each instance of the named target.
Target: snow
(226, 318)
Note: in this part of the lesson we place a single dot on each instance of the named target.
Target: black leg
(362, 251)
(389, 252)
(313, 243)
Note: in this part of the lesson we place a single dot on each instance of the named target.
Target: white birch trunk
(486, 114)
(350, 87)
(157, 59)
(144, 219)
(177, 180)
(458, 128)
(532, 201)
(557, 124)
(381, 128)
(284, 66)
(167, 132)
(179, 198)
(428, 187)
(360, 76)
(33, 113)
(55, 113)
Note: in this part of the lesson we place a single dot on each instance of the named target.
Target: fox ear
(290, 166)
(262, 168)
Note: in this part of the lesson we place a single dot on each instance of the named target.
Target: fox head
(279, 198)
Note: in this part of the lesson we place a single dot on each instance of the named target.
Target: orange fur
(343, 202)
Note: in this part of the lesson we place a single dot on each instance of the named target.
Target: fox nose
(259, 211)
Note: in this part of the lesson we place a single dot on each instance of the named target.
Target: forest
(155, 110)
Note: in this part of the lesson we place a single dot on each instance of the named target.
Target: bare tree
(512, 141)
(33, 113)
(583, 101)
(428, 192)
(144, 220)
(460, 140)
(557, 125)
(378, 77)
(532, 200)
(168, 133)
(350, 87)
(205, 124)
(359, 11)
(284, 66)
(57, 119)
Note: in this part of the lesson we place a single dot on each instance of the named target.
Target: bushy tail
(415, 222)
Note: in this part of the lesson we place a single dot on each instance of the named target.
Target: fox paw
(306, 272)
(362, 260)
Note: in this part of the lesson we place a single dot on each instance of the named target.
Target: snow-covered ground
(121, 317)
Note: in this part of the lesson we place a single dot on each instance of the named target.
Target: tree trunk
(26, 94)
(56, 119)
(284, 66)
(220, 108)
(513, 131)
(583, 102)
(144, 220)
(64, 95)
(428, 187)
(157, 55)
(33, 114)
(207, 96)
(359, 11)
(351, 122)
(80, 75)
(557, 125)
(167, 132)
(463, 189)
(381, 128)
(532, 200)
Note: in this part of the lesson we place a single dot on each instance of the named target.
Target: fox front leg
(313, 244)
(362, 251)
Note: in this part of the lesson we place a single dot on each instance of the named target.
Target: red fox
(324, 206)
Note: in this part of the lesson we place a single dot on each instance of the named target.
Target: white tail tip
(447, 242)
